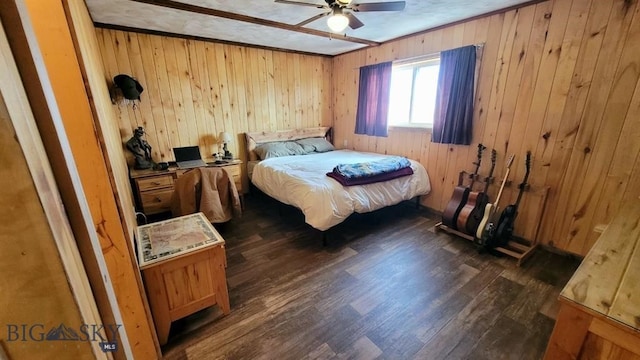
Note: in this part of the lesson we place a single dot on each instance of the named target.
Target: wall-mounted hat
(131, 88)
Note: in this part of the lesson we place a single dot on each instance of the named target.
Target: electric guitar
(477, 202)
(504, 229)
(486, 228)
(460, 196)
(467, 209)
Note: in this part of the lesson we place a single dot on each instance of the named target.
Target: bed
(301, 180)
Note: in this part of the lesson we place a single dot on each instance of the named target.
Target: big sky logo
(85, 332)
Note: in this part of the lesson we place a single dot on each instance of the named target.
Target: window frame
(415, 64)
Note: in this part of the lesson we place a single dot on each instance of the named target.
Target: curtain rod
(479, 46)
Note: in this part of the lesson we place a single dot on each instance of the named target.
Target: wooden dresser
(599, 314)
(153, 189)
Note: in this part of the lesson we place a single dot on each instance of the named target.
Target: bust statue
(140, 149)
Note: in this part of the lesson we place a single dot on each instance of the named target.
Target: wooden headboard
(256, 138)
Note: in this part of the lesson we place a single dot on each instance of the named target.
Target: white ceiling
(417, 16)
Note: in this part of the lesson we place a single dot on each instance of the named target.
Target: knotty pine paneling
(558, 78)
(193, 90)
(143, 340)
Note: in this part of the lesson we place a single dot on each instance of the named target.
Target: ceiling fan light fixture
(343, 2)
(337, 22)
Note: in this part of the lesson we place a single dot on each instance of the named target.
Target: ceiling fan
(339, 19)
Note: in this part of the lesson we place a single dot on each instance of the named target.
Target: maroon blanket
(370, 179)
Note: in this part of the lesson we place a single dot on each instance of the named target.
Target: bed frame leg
(418, 202)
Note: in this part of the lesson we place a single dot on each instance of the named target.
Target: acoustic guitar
(504, 229)
(460, 196)
(471, 214)
(486, 228)
(465, 211)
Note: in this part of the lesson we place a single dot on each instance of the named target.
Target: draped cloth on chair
(454, 100)
(373, 99)
(207, 189)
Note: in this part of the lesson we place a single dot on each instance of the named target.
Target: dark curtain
(373, 99)
(452, 123)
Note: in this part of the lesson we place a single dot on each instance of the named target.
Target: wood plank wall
(92, 69)
(193, 90)
(88, 53)
(559, 78)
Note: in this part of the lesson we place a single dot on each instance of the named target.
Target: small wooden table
(599, 314)
(183, 266)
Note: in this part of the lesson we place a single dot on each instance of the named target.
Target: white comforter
(301, 181)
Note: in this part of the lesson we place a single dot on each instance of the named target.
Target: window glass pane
(400, 97)
(424, 93)
(413, 93)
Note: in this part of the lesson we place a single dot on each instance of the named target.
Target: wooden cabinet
(235, 172)
(599, 314)
(153, 189)
(154, 193)
(183, 266)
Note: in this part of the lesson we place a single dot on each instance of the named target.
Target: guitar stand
(516, 249)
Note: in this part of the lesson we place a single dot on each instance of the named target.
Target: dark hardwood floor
(386, 287)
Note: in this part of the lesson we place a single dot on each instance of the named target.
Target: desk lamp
(225, 138)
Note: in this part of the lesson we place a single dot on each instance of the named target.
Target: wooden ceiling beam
(253, 20)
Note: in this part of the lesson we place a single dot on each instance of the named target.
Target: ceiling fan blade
(354, 22)
(317, 6)
(379, 6)
(310, 20)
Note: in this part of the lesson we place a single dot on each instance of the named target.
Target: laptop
(188, 157)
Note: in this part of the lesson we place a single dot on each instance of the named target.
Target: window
(413, 93)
